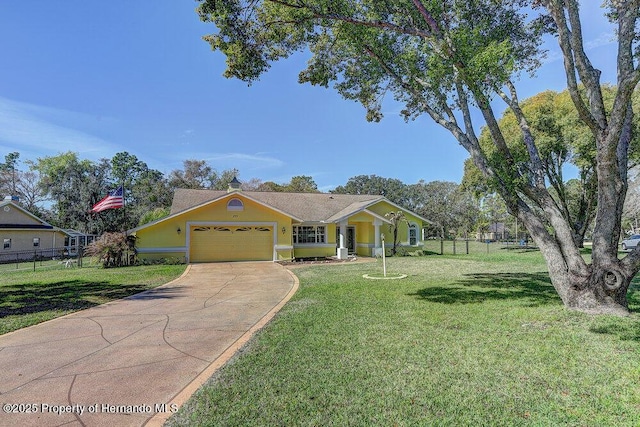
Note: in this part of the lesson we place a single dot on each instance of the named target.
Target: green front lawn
(464, 340)
(28, 297)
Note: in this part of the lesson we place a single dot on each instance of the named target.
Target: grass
(37, 265)
(449, 247)
(29, 297)
(478, 339)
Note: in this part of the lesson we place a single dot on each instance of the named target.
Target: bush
(112, 249)
(401, 251)
(163, 261)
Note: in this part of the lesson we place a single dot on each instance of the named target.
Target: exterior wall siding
(382, 208)
(364, 235)
(162, 240)
(152, 239)
(312, 251)
(22, 240)
(12, 215)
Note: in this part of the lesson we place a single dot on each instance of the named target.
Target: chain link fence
(468, 246)
(66, 257)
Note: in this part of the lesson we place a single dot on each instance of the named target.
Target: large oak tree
(445, 58)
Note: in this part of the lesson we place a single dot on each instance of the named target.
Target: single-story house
(495, 231)
(20, 230)
(236, 225)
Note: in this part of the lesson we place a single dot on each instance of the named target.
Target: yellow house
(21, 231)
(234, 225)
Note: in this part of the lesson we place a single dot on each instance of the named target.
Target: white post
(343, 252)
(384, 258)
(376, 247)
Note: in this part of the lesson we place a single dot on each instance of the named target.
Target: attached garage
(211, 243)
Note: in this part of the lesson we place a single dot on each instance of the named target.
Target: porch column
(343, 252)
(377, 249)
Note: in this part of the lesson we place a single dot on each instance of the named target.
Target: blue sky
(98, 78)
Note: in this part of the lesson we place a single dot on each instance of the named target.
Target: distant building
(495, 231)
(20, 230)
(76, 239)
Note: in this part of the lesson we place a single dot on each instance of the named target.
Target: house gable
(181, 234)
(385, 206)
(20, 230)
(14, 216)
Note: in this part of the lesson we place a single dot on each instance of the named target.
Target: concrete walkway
(133, 362)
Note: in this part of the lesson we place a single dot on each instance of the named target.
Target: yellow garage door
(231, 243)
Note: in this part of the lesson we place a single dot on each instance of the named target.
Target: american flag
(113, 200)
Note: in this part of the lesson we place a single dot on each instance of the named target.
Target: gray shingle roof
(309, 207)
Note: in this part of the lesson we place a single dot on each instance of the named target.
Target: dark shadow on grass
(535, 288)
(425, 252)
(520, 249)
(65, 295)
(625, 329)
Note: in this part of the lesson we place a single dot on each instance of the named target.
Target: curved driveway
(134, 361)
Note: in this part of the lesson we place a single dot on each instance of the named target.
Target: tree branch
(556, 8)
(427, 17)
(529, 141)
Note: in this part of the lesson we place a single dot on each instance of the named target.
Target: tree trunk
(578, 238)
(599, 288)
(395, 240)
(603, 291)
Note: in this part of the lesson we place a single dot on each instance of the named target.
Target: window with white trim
(36, 242)
(413, 234)
(235, 205)
(309, 234)
(7, 243)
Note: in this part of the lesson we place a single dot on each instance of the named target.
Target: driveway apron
(133, 362)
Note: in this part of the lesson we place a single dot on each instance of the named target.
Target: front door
(350, 242)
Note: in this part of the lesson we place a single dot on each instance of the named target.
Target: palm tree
(396, 218)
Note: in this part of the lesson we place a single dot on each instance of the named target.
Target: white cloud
(187, 133)
(242, 160)
(35, 130)
(603, 39)
(555, 54)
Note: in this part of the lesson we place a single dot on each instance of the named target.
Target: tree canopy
(562, 139)
(392, 188)
(447, 59)
(70, 186)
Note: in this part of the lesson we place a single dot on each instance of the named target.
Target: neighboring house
(496, 231)
(234, 225)
(20, 230)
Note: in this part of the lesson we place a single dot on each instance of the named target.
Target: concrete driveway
(133, 362)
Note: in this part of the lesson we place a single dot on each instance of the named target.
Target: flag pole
(124, 220)
(124, 208)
